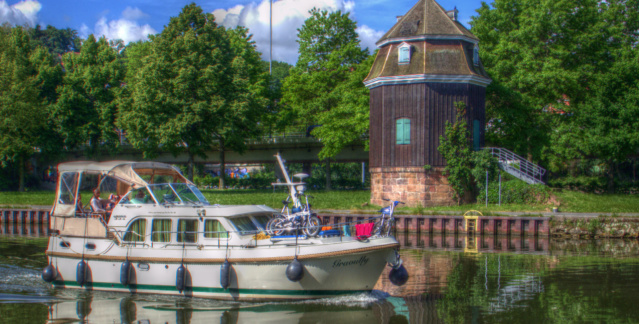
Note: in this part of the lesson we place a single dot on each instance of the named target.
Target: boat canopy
(128, 175)
(135, 174)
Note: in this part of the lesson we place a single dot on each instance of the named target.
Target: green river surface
(453, 279)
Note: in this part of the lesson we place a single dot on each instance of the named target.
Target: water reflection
(103, 308)
(20, 229)
(453, 279)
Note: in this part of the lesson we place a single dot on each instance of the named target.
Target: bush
(515, 192)
(256, 180)
(594, 184)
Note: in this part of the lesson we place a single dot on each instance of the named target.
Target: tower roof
(427, 18)
(427, 44)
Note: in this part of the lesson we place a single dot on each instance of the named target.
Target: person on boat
(99, 205)
(139, 197)
(113, 200)
(79, 210)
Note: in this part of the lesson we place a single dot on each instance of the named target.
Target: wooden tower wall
(429, 106)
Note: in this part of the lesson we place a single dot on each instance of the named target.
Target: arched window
(136, 231)
(404, 53)
(403, 131)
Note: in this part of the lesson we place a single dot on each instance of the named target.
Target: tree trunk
(611, 177)
(328, 174)
(307, 168)
(190, 167)
(222, 166)
(21, 174)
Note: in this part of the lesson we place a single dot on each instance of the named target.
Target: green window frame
(403, 131)
(136, 231)
(213, 229)
(187, 231)
(161, 230)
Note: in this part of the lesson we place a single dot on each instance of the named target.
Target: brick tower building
(425, 63)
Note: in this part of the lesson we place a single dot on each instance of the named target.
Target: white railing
(518, 166)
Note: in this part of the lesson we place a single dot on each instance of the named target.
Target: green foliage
(56, 41)
(86, 109)
(325, 86)
(454, 146)
(514, 192)
(194, 86)
(483, 162)
(540, 53)
(277, 116)
(27, 79)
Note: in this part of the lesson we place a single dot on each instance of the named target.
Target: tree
(454, 146)
(325, 86)
(195, 86)
(57, 41)
(247, 98)
(540, 52)
(86, 108)
(28, 76)
(277, 117)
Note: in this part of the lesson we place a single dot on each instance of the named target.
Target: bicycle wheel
(313, 226)
(388, 226)
(377, 228)
(275, 226)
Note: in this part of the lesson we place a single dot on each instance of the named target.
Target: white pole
(270, 57)
(499, 187)
(486, 188)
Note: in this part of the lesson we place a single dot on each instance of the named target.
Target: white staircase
(517, 166)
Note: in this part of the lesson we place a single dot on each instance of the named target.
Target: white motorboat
(163, 237)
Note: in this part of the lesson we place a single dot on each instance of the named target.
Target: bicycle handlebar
(397, 201)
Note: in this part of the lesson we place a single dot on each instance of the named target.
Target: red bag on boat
(364, 229)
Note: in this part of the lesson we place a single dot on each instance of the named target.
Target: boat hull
(332, 271)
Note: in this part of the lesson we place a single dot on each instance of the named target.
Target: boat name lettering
(361, 261)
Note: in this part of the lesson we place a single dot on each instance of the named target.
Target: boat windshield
(178, 193)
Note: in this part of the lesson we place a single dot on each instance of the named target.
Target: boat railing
(224, 238)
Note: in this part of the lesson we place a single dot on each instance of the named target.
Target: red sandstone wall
(412, 185)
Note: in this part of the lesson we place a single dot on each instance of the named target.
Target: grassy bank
(357, 200)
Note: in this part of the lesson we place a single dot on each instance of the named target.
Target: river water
(453, 279)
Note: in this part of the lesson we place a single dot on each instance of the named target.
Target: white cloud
(133, 14)
(21, 13)
(126, 28)
(288, 16)
(368, 37)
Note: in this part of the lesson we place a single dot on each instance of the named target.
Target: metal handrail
(220, 241)
(525, 168)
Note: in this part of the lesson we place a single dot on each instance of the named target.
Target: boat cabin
(146, 203)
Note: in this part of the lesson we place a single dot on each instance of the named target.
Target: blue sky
(133, 20)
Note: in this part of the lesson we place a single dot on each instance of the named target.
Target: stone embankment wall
(595, 227)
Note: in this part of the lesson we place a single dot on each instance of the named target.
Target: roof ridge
(450, 20)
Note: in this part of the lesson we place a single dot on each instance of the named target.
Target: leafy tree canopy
(320, 88)
(541, 52)
(86, 108)
(28, 76)
(57, 41)
(192, 87)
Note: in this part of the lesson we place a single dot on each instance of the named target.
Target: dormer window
(404, 53)
(476, 55)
